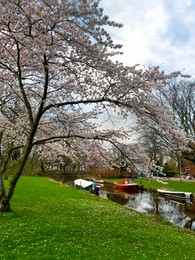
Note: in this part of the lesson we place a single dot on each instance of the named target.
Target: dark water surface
(181, 213)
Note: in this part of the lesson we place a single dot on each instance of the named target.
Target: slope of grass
(54, 221)
(187, 186)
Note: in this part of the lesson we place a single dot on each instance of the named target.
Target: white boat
(87, 185)
(176, 194)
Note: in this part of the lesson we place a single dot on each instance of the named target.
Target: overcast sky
(155, 32)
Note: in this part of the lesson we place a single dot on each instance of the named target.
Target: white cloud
(155, 32)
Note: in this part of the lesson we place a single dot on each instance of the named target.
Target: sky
(155, 32)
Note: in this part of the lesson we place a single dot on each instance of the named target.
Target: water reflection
(181, 213)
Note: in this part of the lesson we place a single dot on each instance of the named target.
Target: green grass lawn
(187, 186)
(54, 221)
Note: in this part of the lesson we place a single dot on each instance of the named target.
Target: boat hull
(90, 186)
(176, 194)
(126, 185)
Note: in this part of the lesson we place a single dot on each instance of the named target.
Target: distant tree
(153, 144)
(97, 155)
(131, 157)
(175, 138)
(179, 97)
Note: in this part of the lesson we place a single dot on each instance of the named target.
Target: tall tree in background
(179, 97)
(176, 101)
(56, 75)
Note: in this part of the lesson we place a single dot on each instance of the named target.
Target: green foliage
(54, 221)
(12, 167)
(168, 169)
(29, 170)
(37, 172)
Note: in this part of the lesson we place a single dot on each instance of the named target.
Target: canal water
(181, 213)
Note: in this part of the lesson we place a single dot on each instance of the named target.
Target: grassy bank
(154, 184)
(53, 221)
(188, 186)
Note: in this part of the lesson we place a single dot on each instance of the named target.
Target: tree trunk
(2, 187)
(5, 199)
(42, 166)
(5, 205)
(6, 176)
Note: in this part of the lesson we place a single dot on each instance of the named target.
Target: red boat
(127, 185)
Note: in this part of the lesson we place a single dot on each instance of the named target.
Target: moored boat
(87, 185)
(176, 194)
(127, 185)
